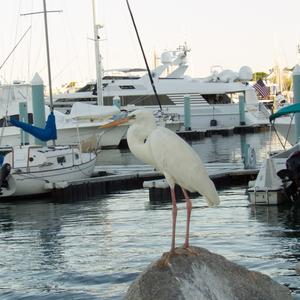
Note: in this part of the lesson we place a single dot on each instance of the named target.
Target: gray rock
(201, 275)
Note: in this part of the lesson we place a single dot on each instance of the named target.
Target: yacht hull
(71, 135)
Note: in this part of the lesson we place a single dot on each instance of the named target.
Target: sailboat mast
(98, 59)
(48, 56)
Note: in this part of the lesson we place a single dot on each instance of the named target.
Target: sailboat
(36, 169)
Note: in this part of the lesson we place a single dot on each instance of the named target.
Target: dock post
(38, 104)
(117, 101)
(242, 109)
(187, 112)
(296, 90)
(24, 118)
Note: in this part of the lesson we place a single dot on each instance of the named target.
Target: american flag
(261, 88)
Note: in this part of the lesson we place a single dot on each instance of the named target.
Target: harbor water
(94, 249)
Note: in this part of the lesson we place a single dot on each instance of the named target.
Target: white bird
(177, 160)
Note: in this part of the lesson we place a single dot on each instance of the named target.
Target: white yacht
(83, 121)
(212, 98)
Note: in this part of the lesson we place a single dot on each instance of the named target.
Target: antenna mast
(98, 58)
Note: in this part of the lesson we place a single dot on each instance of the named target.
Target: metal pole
(187, 112)
(98, 59)
(296, 90)
(242, 109)
(48, 56)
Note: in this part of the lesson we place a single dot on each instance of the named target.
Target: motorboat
(214, 97)
(278, 180)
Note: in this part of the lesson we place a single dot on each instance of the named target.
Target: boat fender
(213, 122)
(250, 159)
(4, 172)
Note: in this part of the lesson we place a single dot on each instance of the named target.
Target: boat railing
(28, 155)
(10, 149)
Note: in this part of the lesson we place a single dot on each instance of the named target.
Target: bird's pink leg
(174, 216)
(188, 217)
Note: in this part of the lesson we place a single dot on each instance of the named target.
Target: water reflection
(216, 148)
(43, 226)
(6, 221)
(93, 249)
(287, 217)
(280, 234)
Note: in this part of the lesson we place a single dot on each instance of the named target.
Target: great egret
(177, 160)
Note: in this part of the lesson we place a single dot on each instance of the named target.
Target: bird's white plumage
(168, 153)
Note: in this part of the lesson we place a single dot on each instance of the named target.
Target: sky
(229, 33)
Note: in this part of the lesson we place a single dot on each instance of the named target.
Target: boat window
(217, 98)
(76, 156)
(3, 122)
(61, 159)
(87, 88)
(126, 87)
(114, 77)
(70, 100)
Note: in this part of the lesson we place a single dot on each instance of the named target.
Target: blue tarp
(44, 134)
(289, 109)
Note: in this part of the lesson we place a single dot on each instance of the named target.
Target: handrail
(11, 150)
(28, 155)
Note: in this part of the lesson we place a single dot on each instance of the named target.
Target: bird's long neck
(137, 138)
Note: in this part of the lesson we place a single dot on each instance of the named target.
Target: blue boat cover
(44, 134)
(289, 109)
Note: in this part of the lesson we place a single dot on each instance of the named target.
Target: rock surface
(201, 275)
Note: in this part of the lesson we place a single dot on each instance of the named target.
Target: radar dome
(245, 73)
(167, 57)
(227, 76)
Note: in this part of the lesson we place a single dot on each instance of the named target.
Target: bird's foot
(164, 261)
(189, 250)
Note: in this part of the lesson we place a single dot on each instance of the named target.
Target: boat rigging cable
(288, 132)
(144, 56)
(6, 59)
(14, 48)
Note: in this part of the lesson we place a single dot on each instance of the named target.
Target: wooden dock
(101, 185)
(194, 135)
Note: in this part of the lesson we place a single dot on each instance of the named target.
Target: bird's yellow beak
(115, 123)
